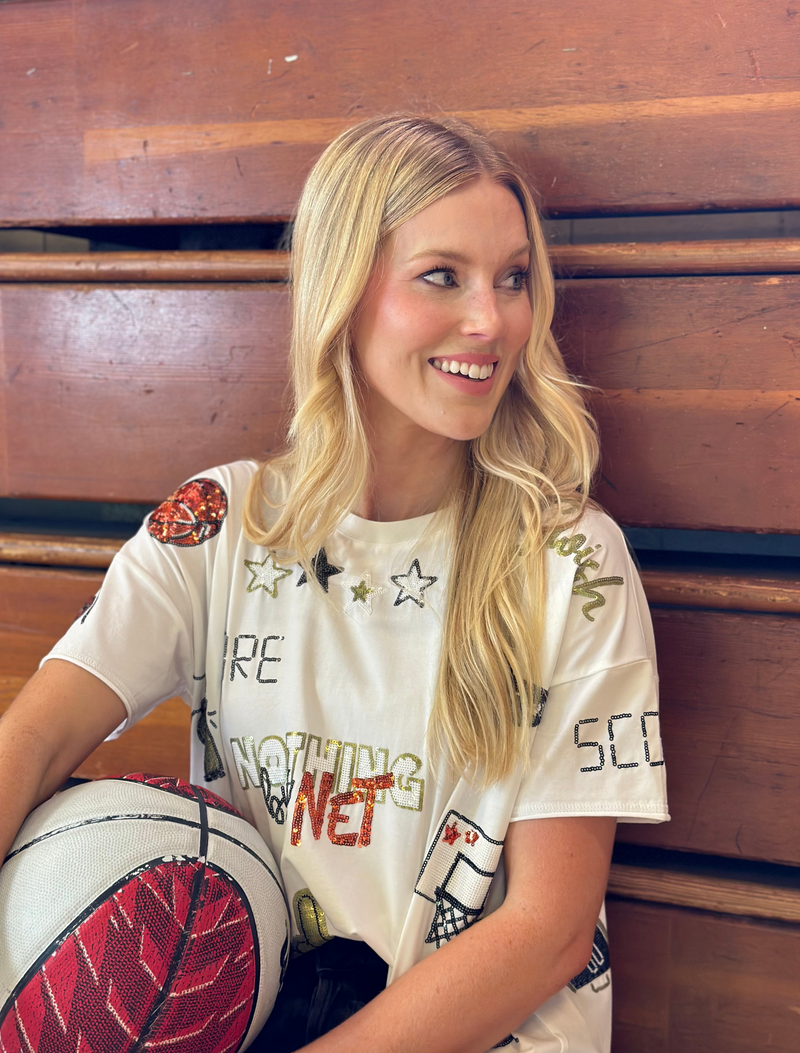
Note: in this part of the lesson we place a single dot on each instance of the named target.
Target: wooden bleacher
(125, 373)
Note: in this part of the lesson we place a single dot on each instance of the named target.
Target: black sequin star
(322, 570)
(412, 585)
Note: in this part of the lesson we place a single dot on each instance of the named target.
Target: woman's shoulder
(593, 542)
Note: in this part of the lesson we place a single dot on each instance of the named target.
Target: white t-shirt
(296, 693)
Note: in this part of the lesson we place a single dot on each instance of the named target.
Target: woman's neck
(409, 478)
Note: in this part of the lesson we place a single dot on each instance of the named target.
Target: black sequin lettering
(237, 659)
(652, 763)
(581, 745)
(618, 716)
(266, 658)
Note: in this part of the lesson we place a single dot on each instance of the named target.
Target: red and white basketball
(139, 913)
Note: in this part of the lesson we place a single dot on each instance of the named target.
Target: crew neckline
(376, 532)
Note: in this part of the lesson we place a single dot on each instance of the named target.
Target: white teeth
(474, 371)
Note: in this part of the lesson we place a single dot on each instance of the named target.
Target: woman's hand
(471, 993)
(55, 722)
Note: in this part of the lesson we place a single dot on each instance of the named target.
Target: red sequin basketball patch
(162, 963)
(192, 515)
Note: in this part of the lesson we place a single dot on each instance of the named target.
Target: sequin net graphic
(456, 875)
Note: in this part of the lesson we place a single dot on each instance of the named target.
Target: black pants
(320, 990)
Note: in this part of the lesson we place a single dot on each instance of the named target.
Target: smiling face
(445, 315)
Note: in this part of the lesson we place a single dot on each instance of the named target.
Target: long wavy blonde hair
(525, 476)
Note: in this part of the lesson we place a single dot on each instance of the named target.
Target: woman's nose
(482, 315)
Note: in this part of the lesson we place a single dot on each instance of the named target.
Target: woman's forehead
(479, 217)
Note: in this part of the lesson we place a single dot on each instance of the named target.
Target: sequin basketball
(192, 515)
(138, 913)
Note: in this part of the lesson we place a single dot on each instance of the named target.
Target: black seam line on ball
(256, 856)
(195, 904)
(75, 923)
(103, 819)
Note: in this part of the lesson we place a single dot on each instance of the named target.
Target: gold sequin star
(361, 592)
(266, 575)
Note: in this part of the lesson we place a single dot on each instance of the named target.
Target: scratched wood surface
(686, 980)
(731, 734)
(145, 111)
(593, 260)
(37, 606)
(699, 413)
(731, 725)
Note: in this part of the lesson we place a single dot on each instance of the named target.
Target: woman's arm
(472, 992)
(55, 722)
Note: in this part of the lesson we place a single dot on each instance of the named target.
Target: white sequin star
(359, 592)
(412, 585)
(266, 575)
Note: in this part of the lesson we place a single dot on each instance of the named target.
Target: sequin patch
(311, 923)
(191, 516)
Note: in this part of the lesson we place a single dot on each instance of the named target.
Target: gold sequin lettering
(295, 741)
(372, 762)
(245, 761)
(588, 589)
(347, 765)
(274, 757)
(407, 792)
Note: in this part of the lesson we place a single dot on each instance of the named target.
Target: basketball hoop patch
(596, 973)
(192, 515)
(456, 875)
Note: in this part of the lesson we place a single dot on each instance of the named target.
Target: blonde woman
(420, 662)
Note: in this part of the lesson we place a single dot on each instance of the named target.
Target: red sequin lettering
(451, 833)
(371, 786)
(337, 816)
(316, 809)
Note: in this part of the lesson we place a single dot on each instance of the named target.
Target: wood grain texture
(731, 733)
(735, 592)
(122, 393)
(37, 606)
(156, 112)
(687, 981)
(700, 409)
(53, 550)
(753, 256)
(748, 898)
(699, 418)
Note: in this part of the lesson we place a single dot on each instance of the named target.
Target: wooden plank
(686, 981)
(777, 594)
(53, 550)
(699, 418)
(37, 606)
(753, 256)
(140, 120)
(227, 266)
(725, 896)
(700, 409)
(731, 732)
(174, 379)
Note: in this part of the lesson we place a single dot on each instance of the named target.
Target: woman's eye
(518, 280)
(445, 278)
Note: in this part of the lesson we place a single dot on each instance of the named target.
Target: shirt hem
(624, 811)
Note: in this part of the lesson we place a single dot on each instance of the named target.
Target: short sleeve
(597, 749)
(145, 632)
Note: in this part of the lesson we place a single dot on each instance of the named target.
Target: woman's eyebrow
(459, 257)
